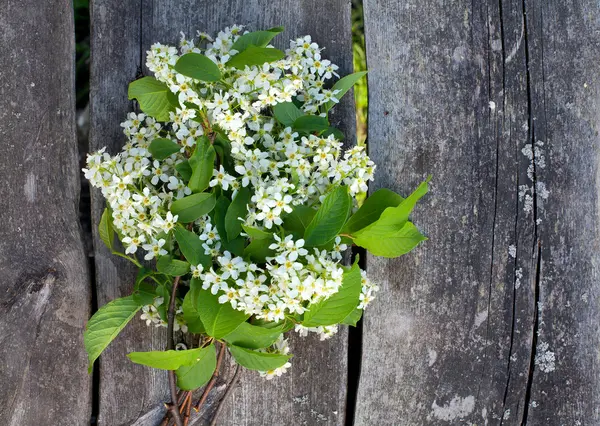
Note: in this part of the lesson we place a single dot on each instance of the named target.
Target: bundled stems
(186, 417)
(213, 379)
(183, 401)
(186, 403)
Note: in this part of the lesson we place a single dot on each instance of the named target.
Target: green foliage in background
(81, 14)
(360, 64)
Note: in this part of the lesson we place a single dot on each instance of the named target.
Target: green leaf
(191, 247)
(190, 313)
(258, 234)
(253, 56)
(287, 113)
(335, 132)
(254, 337)
(144, 294)
(106, 324)
(392, 235)
(154, 97)
(166, 360)
(222, 147)
(330, 218)
(106, 230)
(311, 124)
(337, 307)
(198, 67)
(142, 274)
(382, 241)
(190, 377)
(399, 214)
(295, 178)
(185, 170)
(165, 293)
(219, 319)
(190, 208)
(290, 324)
(219, 213)
(172, 267)
(298, 220)
(258, 250)
(353, 317)
(254, 360)
(202, 163)
(238, 208)
(343, 85)
(372, 209)
(285, 325)
(235, 246)
(256, 38)
(162, 148)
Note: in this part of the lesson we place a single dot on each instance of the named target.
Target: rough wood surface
(314, 392)
(45, 286)
(129, 393)
(468, 329)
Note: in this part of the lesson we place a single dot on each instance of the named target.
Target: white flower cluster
(287, 284)
(324, 332)
(138, 190)
(282, 169)
(151, 315)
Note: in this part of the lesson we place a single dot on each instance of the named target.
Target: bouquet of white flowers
(233, 179)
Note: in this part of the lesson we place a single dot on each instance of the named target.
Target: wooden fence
(494, 320)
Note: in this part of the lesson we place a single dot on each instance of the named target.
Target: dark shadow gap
(81, 13)
(355, 337)
(355, 334)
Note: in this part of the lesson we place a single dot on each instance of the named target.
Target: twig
(232, 384)
(174, 406)
(213, 379)
(188, 410)
(165, 421)
(188, 397)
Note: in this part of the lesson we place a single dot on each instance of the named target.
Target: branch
(213, 379)
(236, 377)
(186, 400)
(186, 417)
(174, 406)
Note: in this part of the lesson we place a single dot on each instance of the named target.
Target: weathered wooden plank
(565, 104)
(129, 393)
(463, 91)
(315, 389)
(45, 287)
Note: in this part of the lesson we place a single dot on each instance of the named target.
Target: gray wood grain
(45, 286)
(314, 391)
(565, 101)
(459, 90)
(128, 392)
